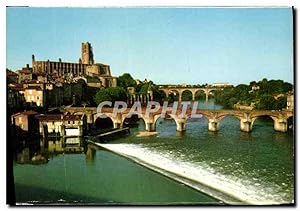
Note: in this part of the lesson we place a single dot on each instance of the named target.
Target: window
(30, 92)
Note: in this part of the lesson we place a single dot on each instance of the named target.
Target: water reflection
(91, 152)
(40, 151)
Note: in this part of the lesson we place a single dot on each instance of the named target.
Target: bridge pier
(180, 97)
(206, 97)
(213, 125)
(245, 126)
(117, 125)
(90, 153)
(180, 122)
(180, 125)
(280, 125)
(149, 126)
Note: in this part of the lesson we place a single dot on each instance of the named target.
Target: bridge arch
(103, 122)
(106, 115)
(222, 116)
(161, 93)
(175, 94)
(199, 93)
(263, 116)
(204, 114)
(130, 115)
(236, 118)
(187, 95)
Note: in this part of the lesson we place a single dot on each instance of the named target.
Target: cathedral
(69, 71)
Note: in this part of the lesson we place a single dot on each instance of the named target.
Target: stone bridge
(180, 90)
(214, 117)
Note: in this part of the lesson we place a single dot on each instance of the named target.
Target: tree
(187, 96)
(266, 102)
(158, 95)
(110, 94)
(263, 98)
(280, 103)
(126, 81)
(144, 89)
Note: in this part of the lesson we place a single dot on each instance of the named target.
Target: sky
(165, 45)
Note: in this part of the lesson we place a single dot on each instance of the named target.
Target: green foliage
(187, 96)
(158, 95)
(55, 97)
(263, 97)
(110, 94)
(266, 102)
(126, 81)
(83, 94)
(200, 95)
(172, 97)
(144, 89)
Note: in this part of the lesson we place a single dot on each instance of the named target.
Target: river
(200, 167)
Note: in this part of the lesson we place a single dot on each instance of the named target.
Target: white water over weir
(230, 189)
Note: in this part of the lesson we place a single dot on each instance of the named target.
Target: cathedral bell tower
(87, 56)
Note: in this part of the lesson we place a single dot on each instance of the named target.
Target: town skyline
(227, 44)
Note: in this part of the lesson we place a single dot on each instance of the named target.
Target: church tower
(87, 56)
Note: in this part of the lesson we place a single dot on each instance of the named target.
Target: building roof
(16, 86)
(26, 113)
(57, 117)
(39, 74)
(11, 73)
(25, 71)
(62, 62)
(101, 64)
(38, 88)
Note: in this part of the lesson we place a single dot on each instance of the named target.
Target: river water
(229, 166)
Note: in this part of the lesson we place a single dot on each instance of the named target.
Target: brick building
(68, 70)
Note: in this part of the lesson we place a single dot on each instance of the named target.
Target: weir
(232, 192)
(104, 137)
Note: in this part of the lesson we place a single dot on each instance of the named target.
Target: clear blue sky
(178, 45)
